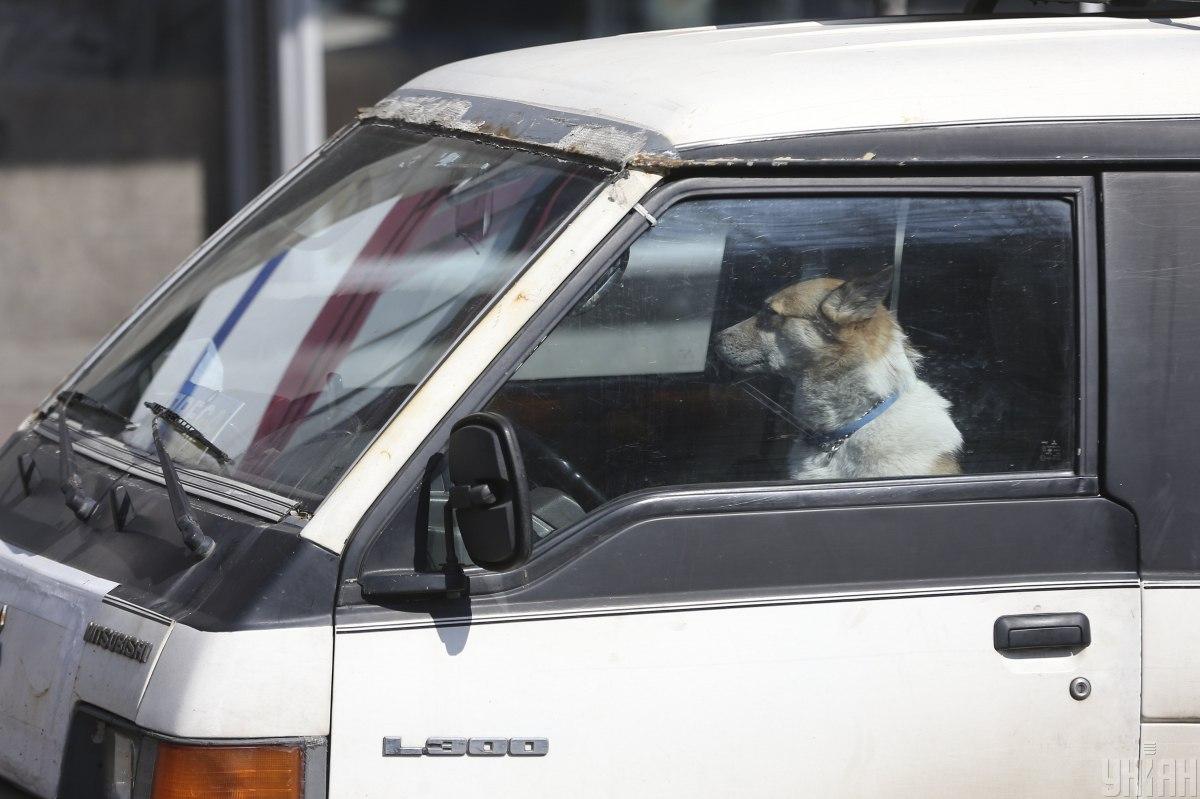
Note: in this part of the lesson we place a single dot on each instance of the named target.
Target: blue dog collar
(832, 440)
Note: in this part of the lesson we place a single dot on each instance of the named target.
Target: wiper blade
(82, 505)
(80, 400)
(188, 431)
(194, 538)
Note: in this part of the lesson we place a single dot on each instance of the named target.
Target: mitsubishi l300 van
(787, 410)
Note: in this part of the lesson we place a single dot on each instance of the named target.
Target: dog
(864, 411)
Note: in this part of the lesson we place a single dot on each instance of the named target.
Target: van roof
(668, 91)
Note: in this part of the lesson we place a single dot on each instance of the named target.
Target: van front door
(862, 552)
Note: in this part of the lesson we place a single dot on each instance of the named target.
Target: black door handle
(1041, 631)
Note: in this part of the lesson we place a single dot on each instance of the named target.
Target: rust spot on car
(614, 145)
(498, 131)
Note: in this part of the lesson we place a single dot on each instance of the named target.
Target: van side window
(809, 339)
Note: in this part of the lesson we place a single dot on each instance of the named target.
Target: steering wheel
(550, 468)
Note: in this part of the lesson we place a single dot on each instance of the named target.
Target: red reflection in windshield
(420, 223)
(332, 333)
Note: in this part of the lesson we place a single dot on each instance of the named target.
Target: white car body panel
(1171, 651)
(246, 684)
(763, 82)
(116, 683)
(876, 697)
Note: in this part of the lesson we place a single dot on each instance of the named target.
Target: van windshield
(292, 342)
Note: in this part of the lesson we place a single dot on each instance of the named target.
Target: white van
(788, 410)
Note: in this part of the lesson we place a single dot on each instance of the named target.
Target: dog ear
(857, 300)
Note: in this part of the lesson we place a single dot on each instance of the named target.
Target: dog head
(813, 326)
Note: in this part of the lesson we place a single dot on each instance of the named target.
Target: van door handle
(1041, 631)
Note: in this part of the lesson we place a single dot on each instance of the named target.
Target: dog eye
(769, 317)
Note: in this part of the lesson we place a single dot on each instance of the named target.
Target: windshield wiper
(80, 400)
(188, 431)
(82, 505)
(194, 537)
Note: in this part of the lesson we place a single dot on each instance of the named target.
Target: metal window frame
(389, 515)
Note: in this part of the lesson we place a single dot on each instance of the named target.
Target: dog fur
(845, 352)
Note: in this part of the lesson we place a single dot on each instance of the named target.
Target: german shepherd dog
(864, 411)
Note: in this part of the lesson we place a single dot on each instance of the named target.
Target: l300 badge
(475, 747)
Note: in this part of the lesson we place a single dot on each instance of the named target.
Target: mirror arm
(451, 581)
(405, 583)
(456, 578)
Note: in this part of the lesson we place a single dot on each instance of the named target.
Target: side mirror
(488, 492)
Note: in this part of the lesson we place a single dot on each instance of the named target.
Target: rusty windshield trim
(609, 142)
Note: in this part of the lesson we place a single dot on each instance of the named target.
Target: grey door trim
(367, 620)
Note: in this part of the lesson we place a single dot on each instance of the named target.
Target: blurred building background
(131, 129)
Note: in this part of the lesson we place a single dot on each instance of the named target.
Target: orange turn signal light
(228, 772)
